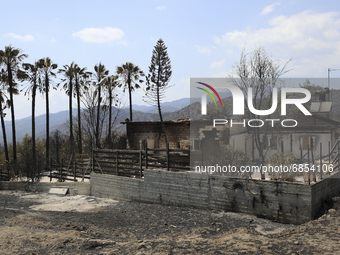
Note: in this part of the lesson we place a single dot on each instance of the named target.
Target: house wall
(285, 202)
(291, 143)
(146, 131)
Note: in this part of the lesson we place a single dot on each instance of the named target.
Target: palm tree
(100, 73)
(11, 58)
(80, 84)
(110, 85)
(68, 72)
(48, 72)
(33, 72)
(130, 75)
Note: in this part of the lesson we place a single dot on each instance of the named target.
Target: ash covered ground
(40, 223)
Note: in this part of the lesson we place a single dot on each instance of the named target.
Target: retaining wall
(323, 191)
(285, 202)
(75, 188)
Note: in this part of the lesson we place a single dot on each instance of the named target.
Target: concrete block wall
(323, 191)
(285, 202)
(75, 188)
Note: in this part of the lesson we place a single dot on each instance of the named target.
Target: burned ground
(90, 225)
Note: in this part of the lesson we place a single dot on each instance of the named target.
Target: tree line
(95, 95)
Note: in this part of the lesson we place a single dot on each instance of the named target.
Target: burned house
(182, 134)
(150, 132)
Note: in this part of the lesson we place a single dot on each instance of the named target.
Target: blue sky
(204, 38)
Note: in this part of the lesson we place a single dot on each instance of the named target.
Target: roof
(316, 121)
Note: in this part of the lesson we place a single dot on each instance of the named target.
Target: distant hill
(59, 120)
(172, 106)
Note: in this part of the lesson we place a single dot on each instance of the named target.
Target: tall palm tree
(11, 58)
(110, 86)
(131, 76)
(48, 72)
(100, 74)
(68, 72)
(33, 72)
(80, 84)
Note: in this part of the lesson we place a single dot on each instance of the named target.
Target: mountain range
(59, 121)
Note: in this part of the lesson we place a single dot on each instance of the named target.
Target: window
(270, 142)
(195, 144)
(306, 141)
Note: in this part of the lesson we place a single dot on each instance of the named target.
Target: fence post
(167, 157)
(92, 161)
(60, 170)
(74, 170)
(140, 163)
(312, 154)
(50, 170)
(7, 167)
(338, 166)
(146, 154)
(308, 164)
(117, 169)
(329, 155)
(321, 166)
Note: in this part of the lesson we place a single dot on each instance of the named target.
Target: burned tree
(259, 72)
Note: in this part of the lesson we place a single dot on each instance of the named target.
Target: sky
(204, 38)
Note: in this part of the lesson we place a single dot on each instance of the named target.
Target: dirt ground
(40, 223)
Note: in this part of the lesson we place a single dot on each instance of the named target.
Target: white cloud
(161, 8)
(99, 35)
(53, 40)
(123, 43)
(21, 38)
(203, 50)
(269, 8)
(217, 65)
(310, 38)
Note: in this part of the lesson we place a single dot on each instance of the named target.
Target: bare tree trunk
(14, 140)
(71, 119)
(33, 126)
(161, 117)
(47, 123)
(98, 114)
(4, 134)
(130, 97)
(110, 117)
(80, 145)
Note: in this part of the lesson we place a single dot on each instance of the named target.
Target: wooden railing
(133, 162)
(74, 170)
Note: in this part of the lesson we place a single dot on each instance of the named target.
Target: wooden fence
(133, 162)
(130, 163)
(74, 170)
